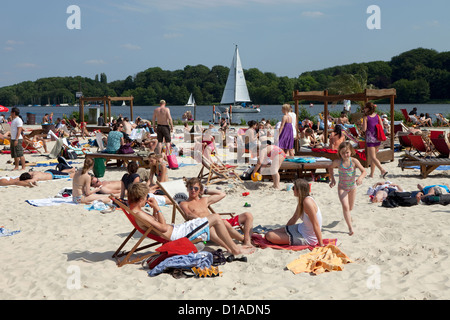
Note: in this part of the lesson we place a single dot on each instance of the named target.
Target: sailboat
(235, 94)
(124, 104)
(191, 101)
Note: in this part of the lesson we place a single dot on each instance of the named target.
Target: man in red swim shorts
(196, 206)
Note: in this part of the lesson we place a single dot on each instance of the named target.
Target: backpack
(397, 198)
(247, 174)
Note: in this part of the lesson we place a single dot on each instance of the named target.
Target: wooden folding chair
(176, 191)
(441, 146)
(442, 121)
(148, 234)
(420, 146)
(406, 115)
(217, 172)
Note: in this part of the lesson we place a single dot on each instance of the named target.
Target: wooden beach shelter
(366, 96)
(106, 102)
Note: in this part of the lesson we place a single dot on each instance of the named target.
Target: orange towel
(319, 260)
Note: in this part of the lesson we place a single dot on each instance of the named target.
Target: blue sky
(286, 37)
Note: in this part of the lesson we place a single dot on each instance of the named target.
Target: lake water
(205, 113)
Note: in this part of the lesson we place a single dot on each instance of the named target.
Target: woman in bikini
(347, 165)
(271, 159)
(81, 186)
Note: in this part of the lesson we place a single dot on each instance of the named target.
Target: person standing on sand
(370, 120)
(163, 125)
(16, 139)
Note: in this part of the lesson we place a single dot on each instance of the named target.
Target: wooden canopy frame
(368, 94)
(105, 100)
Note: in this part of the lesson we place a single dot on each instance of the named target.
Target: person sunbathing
(208, 228)
(381, 190)
(34, 176)
(196, 206)
(11, 181)
(81, 186)
(106, 187)
(433, 190)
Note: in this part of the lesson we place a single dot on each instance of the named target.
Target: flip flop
(384, 175)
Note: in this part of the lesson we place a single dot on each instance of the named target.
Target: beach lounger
(176, 191)
(435, 133)
(146, 235)
(426, 165)
(441, 146)
(415, 120)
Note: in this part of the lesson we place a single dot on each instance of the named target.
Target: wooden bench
(426, 165)
(120, 159)
(294, 170)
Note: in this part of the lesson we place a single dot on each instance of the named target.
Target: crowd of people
(138, 188)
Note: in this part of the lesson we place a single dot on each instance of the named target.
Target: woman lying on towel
(305, 233)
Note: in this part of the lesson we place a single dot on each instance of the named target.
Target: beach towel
(320, 260)
(202, 259)
(261, 242)
(323, 150)
(301, 160)
(50, 202)
(6, 233)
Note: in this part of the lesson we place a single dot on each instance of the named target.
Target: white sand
(398, 253)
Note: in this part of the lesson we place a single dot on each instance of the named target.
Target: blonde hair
(286, 107)
(346, 145)
(162, 102)
(88, 163)
(137, 192)
(302, 187)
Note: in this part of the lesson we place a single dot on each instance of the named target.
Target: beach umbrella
(3, 109)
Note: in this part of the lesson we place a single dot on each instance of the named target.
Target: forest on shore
(419, 76)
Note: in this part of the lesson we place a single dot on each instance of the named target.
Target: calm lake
(205, 113)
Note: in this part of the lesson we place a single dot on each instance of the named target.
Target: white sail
(191, 101)
(236, 87)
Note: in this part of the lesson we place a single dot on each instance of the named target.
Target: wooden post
(325, 117)
(109, 110)
(104, 112)
(392, 123)
(131, 109)
(297, 141)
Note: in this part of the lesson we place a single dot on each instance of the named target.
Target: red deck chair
(145, 234)
(419, 145)
(435, 133)
(404, 141)
(406, 115)
(441, 146)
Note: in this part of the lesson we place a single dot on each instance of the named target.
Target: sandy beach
(64, 251)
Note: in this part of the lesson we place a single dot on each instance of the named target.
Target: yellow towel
(319, 260)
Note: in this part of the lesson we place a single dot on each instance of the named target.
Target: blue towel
(202, 259)
(5, 232)
(438, 168)
(301, 160)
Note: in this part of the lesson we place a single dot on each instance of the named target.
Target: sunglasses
(194, 188)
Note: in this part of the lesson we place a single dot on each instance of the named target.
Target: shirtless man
(209, 228)
(197, 207)
(106, 187)
(163, 125)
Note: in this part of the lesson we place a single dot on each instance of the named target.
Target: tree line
(419, 76)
